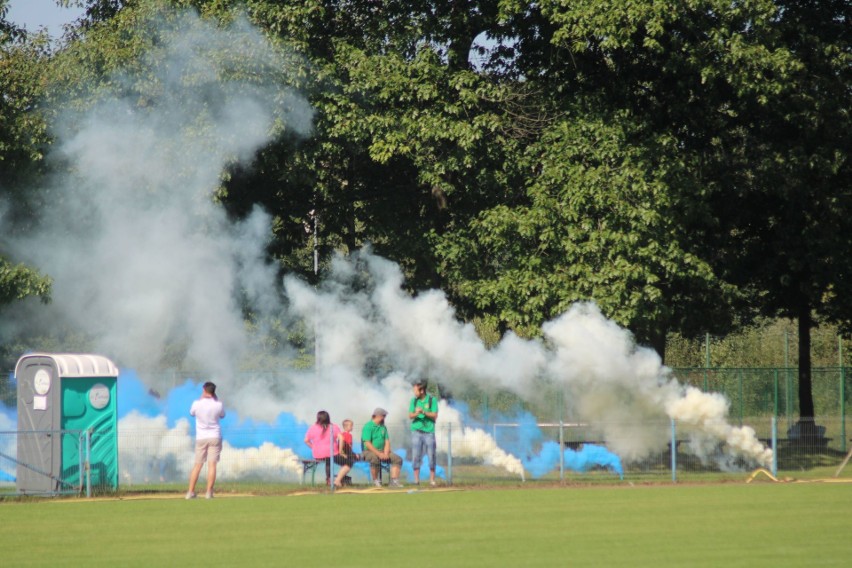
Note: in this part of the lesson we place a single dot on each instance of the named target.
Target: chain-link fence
(502, 439)
(505, 453)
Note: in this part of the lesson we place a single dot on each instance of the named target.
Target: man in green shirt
(423, 411)
(376, 447)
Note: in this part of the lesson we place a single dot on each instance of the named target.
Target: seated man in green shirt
(376, 448)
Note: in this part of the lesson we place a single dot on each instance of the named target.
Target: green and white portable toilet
(67, 423)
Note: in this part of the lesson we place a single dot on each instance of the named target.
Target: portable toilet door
(67, 418)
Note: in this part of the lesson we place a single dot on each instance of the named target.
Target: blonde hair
(347, 421)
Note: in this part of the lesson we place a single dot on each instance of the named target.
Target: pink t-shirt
(207, 412)
(320, 441)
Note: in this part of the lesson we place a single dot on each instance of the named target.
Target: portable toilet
(67, 423)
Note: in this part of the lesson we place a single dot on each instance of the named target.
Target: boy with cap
(375, 443)
(423, 411)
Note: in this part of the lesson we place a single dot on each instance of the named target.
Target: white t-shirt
(207, 412)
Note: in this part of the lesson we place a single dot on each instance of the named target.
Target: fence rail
(492, 445)
(507, 453)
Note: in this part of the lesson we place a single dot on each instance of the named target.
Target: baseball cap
(380, 412)
(420, 383)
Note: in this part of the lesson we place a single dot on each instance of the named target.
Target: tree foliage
(683, 164)
(23, 136)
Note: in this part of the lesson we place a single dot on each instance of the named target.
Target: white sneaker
(209, 495)
(377, 483)
(432, 484)
(395, 483)
(190, 495)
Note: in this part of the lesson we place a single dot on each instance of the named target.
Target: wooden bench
(310, 465)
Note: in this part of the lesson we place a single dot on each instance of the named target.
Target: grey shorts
(373, 459)
(208, 450)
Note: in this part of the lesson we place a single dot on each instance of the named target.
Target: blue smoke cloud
(285, 431)
(520, 434)
(581, 461)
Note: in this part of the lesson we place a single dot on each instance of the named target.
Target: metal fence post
(674, 452)
(449, 454)
(89, 462)
(774, 446)
(742, 398)
(561, 450)
(331, 441)
(81, 464)
(775, 410)
(843, 408)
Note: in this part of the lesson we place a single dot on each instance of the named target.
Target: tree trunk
(806, 396)
(658, 341)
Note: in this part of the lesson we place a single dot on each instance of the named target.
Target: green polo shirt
(376, 434)
(423, 423)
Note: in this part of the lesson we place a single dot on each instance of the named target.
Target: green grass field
(732, 524)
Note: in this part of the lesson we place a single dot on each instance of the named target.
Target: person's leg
(214, 451)
(193, 477)
(211, 476)
(344, 469)
(431, 447)
(200, 458)
(373, 459)
(396, 464)
(416, 455)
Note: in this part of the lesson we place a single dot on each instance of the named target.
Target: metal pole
(561, 450)
(706, 358)
(774, 447)
(788, 410)
(842, 394)
(316, 243)
(561, 398)
(775, 410)
(88, 462)
(80, 463)
(331, 457)
(674, 452)
(449, 454)
(742, 396)
(316, 275)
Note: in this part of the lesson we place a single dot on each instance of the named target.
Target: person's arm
(430, 413)
(386, 450)
(412, 409)
(341, 445)
(368, 446)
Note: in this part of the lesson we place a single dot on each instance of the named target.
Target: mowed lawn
(795, 524)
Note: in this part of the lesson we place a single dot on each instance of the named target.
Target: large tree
(789, 216)
(22, 140)
(755, 98)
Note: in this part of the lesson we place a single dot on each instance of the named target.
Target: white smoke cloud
(140, 253)
(142, 256)
(150, 452)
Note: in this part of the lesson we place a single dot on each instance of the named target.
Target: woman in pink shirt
(322, 439)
